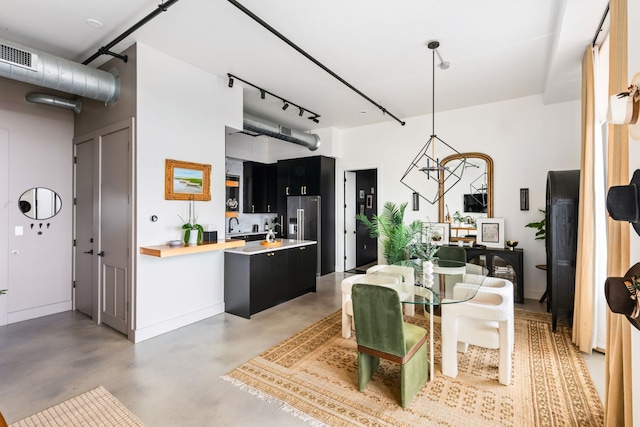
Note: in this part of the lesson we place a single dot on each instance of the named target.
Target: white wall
(525, 138)
(39, 153)
(181, 114)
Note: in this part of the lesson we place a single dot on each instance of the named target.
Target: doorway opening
(360, 197)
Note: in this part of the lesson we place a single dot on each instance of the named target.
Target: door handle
(90, 251)
(287, 191)
(101, 253)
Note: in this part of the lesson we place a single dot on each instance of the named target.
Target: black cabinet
(300, 177)
(563, 192)
(253, 283)
(503, 263)
(311, 176)
(268, 280)
(259, 187)
(301, 261)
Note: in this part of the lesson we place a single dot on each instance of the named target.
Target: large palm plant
(401, 243)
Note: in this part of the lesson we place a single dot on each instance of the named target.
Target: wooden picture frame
(490, 232)
(431, 229)
(187, 180)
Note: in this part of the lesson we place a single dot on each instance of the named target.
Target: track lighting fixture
(263, 93)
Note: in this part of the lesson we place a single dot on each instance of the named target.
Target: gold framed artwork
(187, 180)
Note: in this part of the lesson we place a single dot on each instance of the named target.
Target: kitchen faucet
(230, 225)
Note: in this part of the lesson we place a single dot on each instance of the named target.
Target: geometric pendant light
(426, 174)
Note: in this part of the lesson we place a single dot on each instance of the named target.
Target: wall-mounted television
(476, 202)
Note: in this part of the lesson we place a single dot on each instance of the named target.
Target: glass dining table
(464, 278)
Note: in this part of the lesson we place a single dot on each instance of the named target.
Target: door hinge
(74, 242)
(74, 284)
(345, 258)
(75, 201)
(75, 160)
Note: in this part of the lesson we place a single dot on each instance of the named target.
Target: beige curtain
(583, 308)
(618, 402)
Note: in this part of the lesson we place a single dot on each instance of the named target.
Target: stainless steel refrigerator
(303, 221)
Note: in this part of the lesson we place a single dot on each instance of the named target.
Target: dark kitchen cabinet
(311, 176)
(253, 283)
(268, 275)
(302, 260)
(259, 187)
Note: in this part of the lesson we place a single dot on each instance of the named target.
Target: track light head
(230, 81)
(301, 112)
(262, 94)
(314, 119)
(285, 106)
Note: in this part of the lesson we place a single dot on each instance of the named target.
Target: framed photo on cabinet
(490, 232)
(438, 233)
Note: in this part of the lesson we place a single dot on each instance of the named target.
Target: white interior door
(115, 220)
(349, 220)
(85, 261)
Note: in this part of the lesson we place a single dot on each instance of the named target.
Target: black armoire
(563, 191)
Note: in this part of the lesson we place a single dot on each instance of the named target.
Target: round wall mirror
(39, 203)
(472, 196)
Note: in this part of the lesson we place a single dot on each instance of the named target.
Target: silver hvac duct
(263, 127)
(56, 101)
(42, 69)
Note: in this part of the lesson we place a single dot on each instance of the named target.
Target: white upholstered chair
(486, 321)
(347, 303)
(407, 277)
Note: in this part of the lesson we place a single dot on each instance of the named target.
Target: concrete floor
(170, 380)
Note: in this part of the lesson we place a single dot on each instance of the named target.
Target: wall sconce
(524, 199)
(416, 202)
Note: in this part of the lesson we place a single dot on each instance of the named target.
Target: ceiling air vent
(19, 57)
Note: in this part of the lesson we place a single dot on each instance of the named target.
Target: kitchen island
(257, 277)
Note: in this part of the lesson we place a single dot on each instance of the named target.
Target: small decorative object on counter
(271, 236)
(511, 244)
(266, 225)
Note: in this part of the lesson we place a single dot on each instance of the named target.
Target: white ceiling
(497, 49)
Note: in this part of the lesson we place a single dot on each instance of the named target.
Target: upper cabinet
(304, 176)
(259, 192)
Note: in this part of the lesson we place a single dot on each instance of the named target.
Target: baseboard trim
(33, 313)
(148, 332)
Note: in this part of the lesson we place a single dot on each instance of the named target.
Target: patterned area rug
(94, 408)
(314, 375)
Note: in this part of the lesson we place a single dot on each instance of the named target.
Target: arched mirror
(39, 203)
(472, 196)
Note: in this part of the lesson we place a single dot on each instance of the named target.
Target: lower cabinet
(253, 283)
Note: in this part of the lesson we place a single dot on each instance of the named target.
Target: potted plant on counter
(192, 230)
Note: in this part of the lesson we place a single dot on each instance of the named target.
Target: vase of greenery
(401, 243)
(192, 230)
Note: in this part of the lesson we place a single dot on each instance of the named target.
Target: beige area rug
(93, 408)
(314, 375)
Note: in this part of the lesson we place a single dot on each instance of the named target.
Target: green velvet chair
(451, 253)
(382, 333)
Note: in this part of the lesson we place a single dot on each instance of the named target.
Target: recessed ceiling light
(94, 23)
